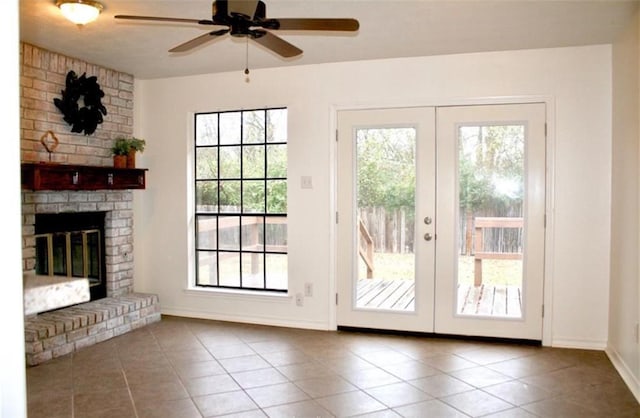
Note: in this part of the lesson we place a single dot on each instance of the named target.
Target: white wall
(624, 301)
(575, 81)
(13, 398)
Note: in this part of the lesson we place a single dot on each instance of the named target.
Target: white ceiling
(388, 29)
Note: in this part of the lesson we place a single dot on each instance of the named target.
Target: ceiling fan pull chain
(246, 68)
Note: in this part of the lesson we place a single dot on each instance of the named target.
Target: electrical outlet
(299, 299)
(308, 289)
(306, 182)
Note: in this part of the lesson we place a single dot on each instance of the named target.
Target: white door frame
(547, 323)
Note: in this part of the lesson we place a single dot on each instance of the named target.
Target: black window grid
(241, 214)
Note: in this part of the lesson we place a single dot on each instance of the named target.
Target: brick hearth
(56, 333)
(60, 332)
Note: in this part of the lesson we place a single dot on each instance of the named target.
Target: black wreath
(88, 117)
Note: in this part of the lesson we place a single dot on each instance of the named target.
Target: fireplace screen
(72, 245)
(72, 254)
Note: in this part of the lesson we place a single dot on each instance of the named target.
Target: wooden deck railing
(480, 254)
(366, 253)
(253, 243)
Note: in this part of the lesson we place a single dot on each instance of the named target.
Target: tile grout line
(126, 381)
(244, 390)
(191, 398)
(73, 390)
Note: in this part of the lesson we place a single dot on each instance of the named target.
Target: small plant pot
(131, 159)
(120, 161)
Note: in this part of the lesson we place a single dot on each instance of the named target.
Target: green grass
(391, 266)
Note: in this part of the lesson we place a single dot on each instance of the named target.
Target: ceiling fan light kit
(248, 18)
(80, 12)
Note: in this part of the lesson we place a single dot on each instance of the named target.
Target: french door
(441, 219)
(385, 271)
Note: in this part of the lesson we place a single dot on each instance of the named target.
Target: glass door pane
(490, 220)
(385, 218)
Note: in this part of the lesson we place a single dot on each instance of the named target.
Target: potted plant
(120, 152)
(135, 145)
(124, 151)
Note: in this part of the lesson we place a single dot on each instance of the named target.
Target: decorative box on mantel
(50, 176)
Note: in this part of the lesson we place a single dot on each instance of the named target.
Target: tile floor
(186, 368)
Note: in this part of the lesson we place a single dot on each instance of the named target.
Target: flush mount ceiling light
(80, 12)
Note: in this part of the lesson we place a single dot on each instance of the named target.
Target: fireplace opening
(72, 245)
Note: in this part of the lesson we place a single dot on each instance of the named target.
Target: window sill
(239, 294)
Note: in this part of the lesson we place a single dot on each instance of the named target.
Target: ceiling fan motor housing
(221, 11)
(238, 21)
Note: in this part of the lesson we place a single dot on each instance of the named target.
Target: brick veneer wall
(43, 75)
(42, 78)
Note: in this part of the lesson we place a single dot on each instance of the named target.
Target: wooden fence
(494, 239)
(392, 231)
(483, 237)
(481, 253)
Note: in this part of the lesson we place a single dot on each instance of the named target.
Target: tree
(386, 167)
(490, 165)
(386, 179)
(243, 168)
(490, 172)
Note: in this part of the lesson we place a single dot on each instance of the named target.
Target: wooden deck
(489, 300)
(484, 300)
(386, 294)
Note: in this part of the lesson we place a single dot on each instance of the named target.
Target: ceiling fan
(248, 18)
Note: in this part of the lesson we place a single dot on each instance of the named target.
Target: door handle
(428, 237)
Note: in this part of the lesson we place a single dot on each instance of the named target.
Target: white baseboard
(627, 374)
(579, 344)
(247, 319)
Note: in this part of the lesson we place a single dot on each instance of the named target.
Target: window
(241, 199)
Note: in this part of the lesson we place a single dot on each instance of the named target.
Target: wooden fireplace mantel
(51, 176)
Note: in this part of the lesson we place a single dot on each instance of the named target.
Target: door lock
(427, 220)
(427, 237)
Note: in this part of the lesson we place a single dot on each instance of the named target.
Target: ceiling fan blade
(277, 44)
(198, 41)
(245, 7)
(349, 25)
(164, 19)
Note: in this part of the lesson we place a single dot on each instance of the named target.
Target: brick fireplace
(55, 333)
(118, 229)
